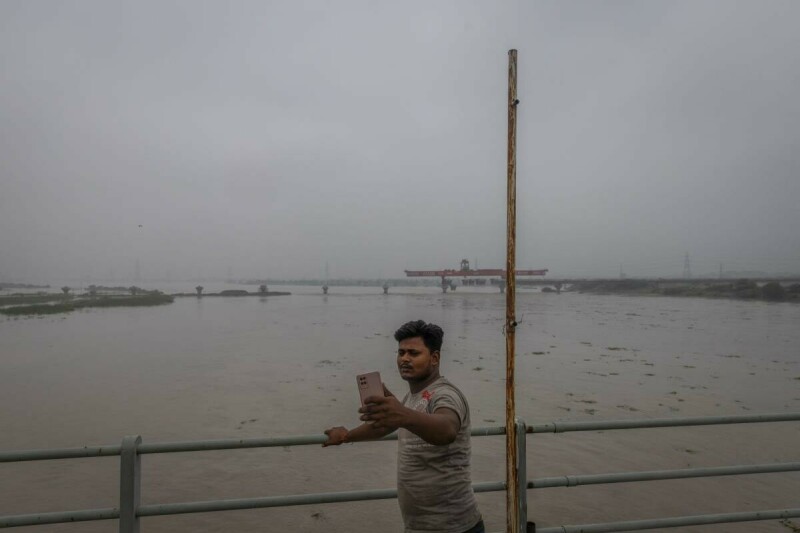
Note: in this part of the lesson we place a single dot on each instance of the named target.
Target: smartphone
(369, 385)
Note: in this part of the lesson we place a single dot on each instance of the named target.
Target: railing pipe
(221, 505)
(655, 475)
(193, 446)
(58, 517)
(287, 501)
(600, 425)
(270, 501)
(230, 444)
(681, 521)
(62, 453)
(302, 440)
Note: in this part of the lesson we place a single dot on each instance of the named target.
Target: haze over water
(256, 367)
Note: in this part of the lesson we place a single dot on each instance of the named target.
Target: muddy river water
(279, 366)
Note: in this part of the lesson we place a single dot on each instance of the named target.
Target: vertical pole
(129, 484)
(522, 476)
(512, 474)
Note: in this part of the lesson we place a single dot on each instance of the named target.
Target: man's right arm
(340, 435)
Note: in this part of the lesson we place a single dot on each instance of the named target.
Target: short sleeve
(449, 398)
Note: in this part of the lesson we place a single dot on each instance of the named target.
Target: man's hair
(431, 334)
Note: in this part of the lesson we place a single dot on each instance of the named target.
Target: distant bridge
(477, 276)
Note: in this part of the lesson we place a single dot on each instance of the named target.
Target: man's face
(415, 361)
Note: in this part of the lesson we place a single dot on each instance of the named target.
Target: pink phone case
(369, 385)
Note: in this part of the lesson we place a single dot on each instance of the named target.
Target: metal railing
(132, 449)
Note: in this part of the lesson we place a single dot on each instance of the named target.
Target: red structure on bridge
(466, 272)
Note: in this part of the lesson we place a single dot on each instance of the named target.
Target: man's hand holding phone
(384, 411)
(380, 412)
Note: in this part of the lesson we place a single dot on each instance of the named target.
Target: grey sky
(272, 137)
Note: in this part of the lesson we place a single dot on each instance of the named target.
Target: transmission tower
(687, 267)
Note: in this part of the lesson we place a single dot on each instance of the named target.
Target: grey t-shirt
(434, 488)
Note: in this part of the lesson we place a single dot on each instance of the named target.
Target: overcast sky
(266, 138)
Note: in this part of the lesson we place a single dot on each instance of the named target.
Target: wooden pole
(512, 474)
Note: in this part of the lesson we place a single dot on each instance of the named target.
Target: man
(434, 488)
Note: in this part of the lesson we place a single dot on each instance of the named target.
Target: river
(215, 368)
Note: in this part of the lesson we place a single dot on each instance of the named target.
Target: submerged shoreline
(736, 290)
(59, 303)
(49, 304)
(43, 303)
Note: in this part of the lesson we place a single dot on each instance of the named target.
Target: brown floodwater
(262, 367)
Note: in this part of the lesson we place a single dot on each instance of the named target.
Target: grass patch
(38, 309)
(739, 289)
(71, 304)
(30, 299)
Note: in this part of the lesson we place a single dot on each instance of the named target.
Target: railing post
(129, 484)
(522, 477)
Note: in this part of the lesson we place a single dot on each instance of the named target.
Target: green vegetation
(37, 309)
(742, 289)
(70, 304)
(5, 285)
(25, 299)
(773, 291)
(615, 286)
(234, 292)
